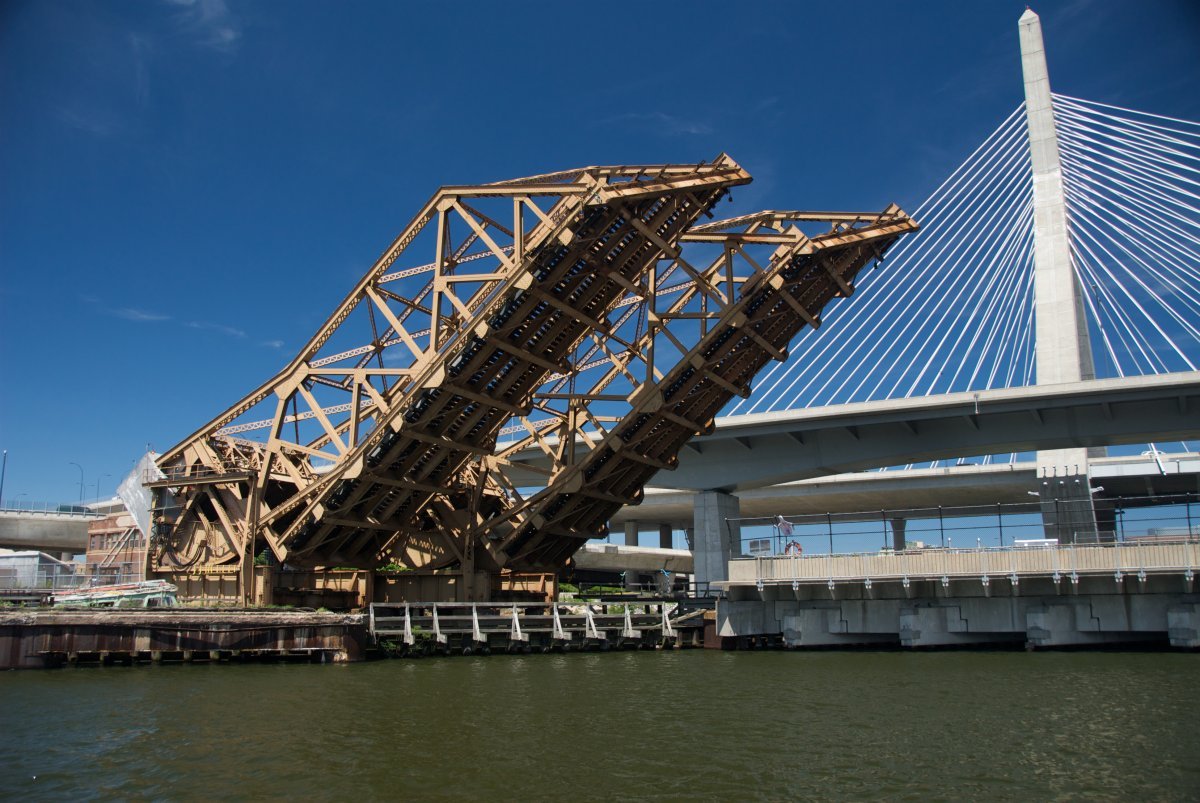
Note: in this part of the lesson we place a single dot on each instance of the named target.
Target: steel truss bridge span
(585, 313)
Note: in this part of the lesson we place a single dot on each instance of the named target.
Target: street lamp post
(98, 479)
(3, 471)
(72, 463)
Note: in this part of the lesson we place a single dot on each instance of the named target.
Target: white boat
(146, 594)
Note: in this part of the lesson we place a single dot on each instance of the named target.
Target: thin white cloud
(209, 22)
(141, 316)
(96, 122)
(272, 344)
(215, 327)
(144, 316)
(139, 47)
(660, 123)
(765, 104)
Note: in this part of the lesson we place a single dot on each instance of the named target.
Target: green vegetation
(394, 567)
(572, 591)
(261, 559)
(593, 591)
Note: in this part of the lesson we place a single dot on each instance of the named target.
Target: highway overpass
(926, 488)
(764, 449)
(45, 530)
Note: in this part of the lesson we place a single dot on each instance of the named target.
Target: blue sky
(188, 188)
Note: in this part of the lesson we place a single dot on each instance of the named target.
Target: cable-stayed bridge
(1048, 308)
(946, 325)
(952, 308)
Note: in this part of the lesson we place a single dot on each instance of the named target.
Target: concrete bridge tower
(1062, 347)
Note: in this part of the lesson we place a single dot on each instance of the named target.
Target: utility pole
(80, 479)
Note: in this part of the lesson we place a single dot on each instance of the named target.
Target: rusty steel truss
(584, 314)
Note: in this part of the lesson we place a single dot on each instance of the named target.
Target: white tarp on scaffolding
(135, 495)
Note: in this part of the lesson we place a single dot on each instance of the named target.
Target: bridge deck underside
(719, 366)
(529, 335)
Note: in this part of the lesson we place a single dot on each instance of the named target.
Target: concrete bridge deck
(902, 489)
(45, 530)
(761, 449)
(1103, 594)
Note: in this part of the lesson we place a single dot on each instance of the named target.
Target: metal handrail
(57, 508)
(959, 550)
(1137, 558)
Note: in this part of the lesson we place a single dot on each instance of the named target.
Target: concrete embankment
(33, 639)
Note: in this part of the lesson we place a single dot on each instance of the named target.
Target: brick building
(116, 548)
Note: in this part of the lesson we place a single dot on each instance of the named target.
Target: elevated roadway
(47, 531)
(960, 486)
(759, 450)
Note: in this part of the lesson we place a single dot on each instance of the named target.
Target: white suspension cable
(1084, 104)
(997, 148)
(1178, 275)
(995, 271)
(1015, 186)
(1103, 265)
(901, 287)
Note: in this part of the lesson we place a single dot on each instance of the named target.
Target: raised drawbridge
(588, 314)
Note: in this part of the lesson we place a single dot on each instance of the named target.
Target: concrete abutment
(1035, 621)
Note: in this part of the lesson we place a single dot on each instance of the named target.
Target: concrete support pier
(717, 535)
(1068, 512)
(666, 536)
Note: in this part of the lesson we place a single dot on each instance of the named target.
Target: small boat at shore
(145, 594)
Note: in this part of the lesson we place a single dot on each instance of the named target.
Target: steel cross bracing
(744, 310)
(541, 305)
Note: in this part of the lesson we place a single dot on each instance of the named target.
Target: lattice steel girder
(745, 323)
(377, 416)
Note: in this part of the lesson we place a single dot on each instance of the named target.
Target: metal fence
(978, 526)
(20, 505)
(49, 580)
(1135, 558)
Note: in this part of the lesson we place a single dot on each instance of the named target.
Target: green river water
(685, 725)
